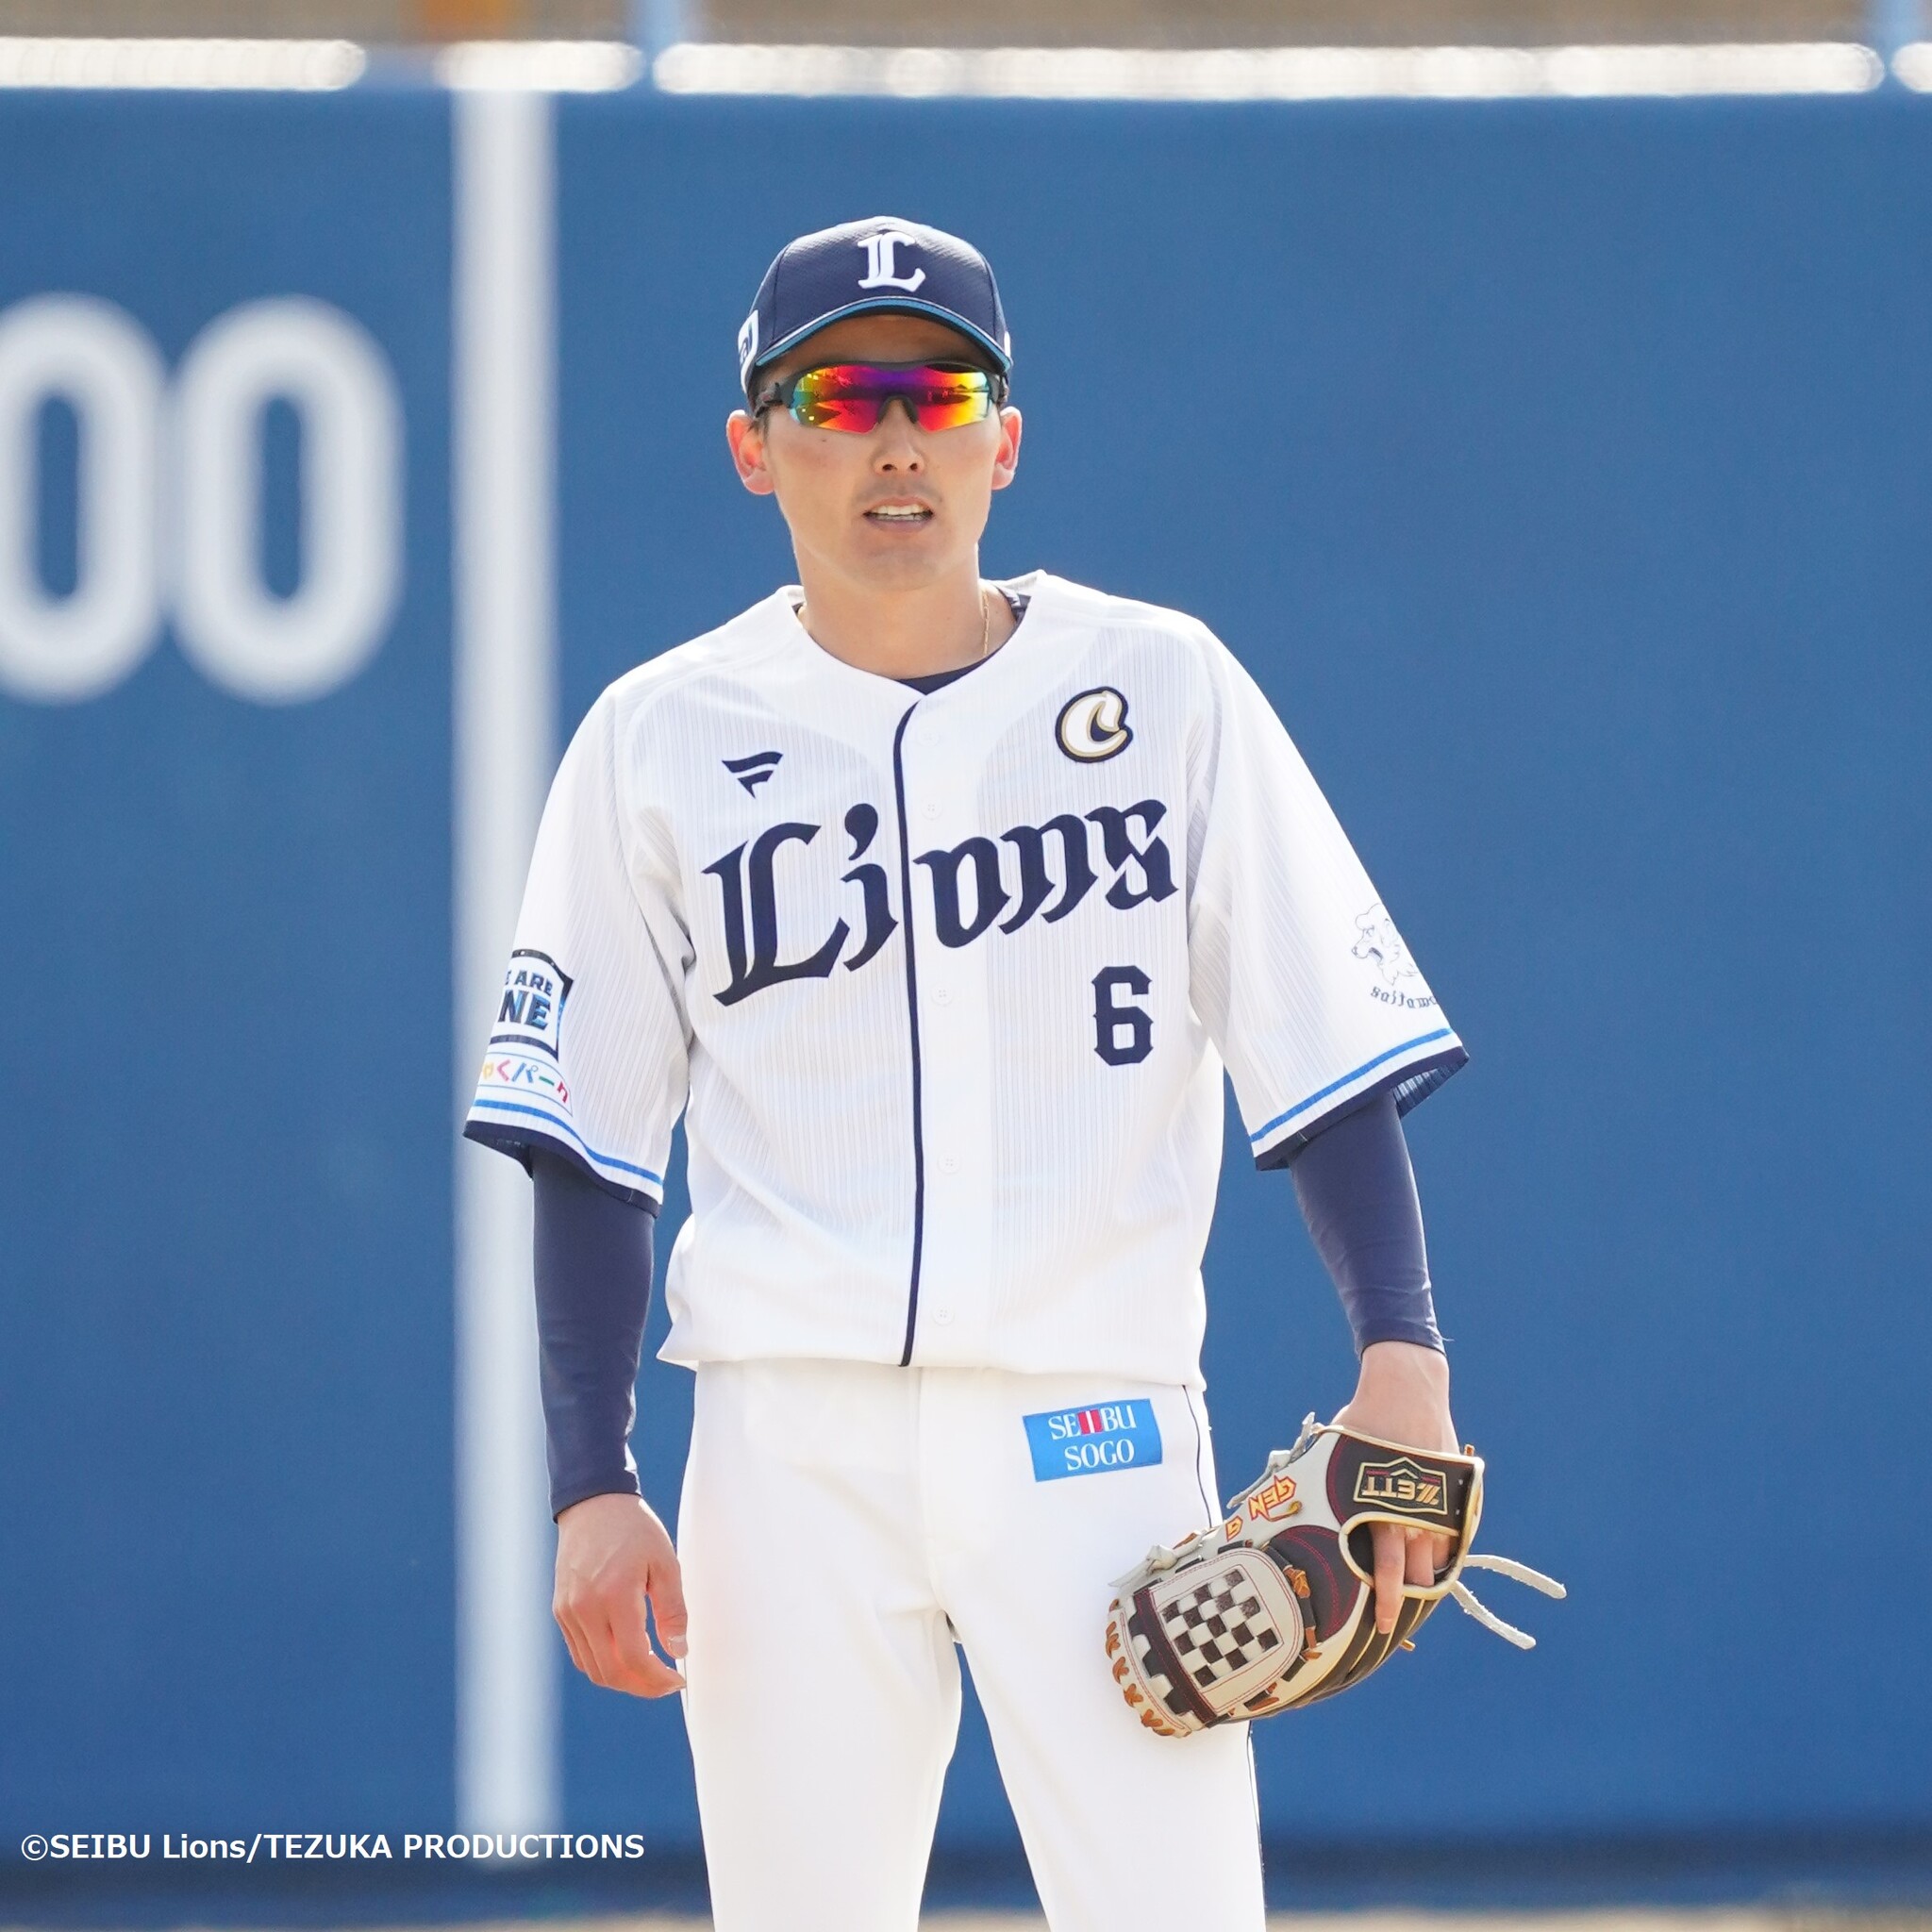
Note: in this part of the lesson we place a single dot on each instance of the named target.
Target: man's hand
(1403, 1396)
(613, 1558)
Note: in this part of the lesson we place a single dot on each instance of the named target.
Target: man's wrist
(1393, 1358)
(1411, 1334)
(621, 1483)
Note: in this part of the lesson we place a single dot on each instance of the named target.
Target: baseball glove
(1276, 1606)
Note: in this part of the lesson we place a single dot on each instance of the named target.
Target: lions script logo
(1376, 939)
(974, 884)
(1400, 1485)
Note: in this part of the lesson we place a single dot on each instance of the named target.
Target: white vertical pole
(1894, 23)
(659, 23)
(505, 708)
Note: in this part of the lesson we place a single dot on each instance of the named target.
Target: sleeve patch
(529, 1015)
(1393, 978)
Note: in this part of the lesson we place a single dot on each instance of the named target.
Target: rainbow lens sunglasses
(853, 396)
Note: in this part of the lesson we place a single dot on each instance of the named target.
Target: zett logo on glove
(1402, 1485)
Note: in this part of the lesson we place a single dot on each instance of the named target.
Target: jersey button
(945, 995)
(949, 1165)
(942, 1316)
(928, 811)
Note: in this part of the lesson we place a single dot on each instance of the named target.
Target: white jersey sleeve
(587, 1054)
(1297, 968)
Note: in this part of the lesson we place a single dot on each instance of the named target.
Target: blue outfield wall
(1560, 470)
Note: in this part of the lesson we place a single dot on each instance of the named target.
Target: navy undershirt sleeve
(1356, 1191)
(593, 1292)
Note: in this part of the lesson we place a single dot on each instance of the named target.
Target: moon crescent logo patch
(1093, 726)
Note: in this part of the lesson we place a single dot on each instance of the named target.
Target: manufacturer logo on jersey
(1376, 940)
(1093, 726)
(1086, 1441)
(751, 772)
(1403, 1483)
(881, 270)
(530, 1014)
(1274, 1500)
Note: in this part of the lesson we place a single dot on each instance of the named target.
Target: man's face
(899, 507)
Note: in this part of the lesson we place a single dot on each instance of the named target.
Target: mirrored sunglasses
(853, 396)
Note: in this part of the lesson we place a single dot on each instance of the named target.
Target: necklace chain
(985, 623)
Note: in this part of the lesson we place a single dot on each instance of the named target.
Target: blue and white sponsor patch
(1085, 1441)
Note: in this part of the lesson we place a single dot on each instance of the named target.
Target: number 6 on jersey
(1110, 1019)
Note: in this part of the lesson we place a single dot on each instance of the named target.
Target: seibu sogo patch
(1086, 1441)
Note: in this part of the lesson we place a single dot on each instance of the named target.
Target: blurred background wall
(1560, 469)
(988, 23)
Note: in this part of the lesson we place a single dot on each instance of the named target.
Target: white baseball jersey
(945, 984)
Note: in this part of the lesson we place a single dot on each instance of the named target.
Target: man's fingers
(1391, 1547)
(639, 1668)
(604, 1661)
(614, 1650)
(566, 1623)
(1422, 1557)
(667, 1606)
(654, 1678)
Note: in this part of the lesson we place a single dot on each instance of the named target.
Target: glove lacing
(1471, 1605)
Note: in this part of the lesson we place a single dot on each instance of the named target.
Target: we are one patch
(1088, 1442)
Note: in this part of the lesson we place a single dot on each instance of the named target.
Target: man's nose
(898, 446)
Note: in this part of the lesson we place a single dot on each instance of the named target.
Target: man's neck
(939, 627)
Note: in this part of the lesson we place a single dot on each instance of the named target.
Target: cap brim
(898, 305)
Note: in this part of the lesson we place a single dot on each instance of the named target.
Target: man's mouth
(899, 515)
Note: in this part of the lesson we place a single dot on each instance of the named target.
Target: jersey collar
(806, 653)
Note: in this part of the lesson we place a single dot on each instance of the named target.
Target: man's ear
(747, 437)
(1007, 460)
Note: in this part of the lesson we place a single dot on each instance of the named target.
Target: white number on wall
(100, 362)
(275, 649)
(206, 473)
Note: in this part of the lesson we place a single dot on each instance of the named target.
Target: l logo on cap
(879, 263)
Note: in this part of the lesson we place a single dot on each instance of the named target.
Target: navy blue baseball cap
(880, 265)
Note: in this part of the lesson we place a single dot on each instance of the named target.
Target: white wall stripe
(545, 66)
(505, 709)
(53, 61)
(1270, 73)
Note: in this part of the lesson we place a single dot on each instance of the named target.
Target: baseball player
(937, 906)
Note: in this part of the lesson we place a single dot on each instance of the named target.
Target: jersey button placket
(941, 791)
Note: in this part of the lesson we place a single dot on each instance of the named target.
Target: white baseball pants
(842, 1524)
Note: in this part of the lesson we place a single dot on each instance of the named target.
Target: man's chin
(903, 566)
